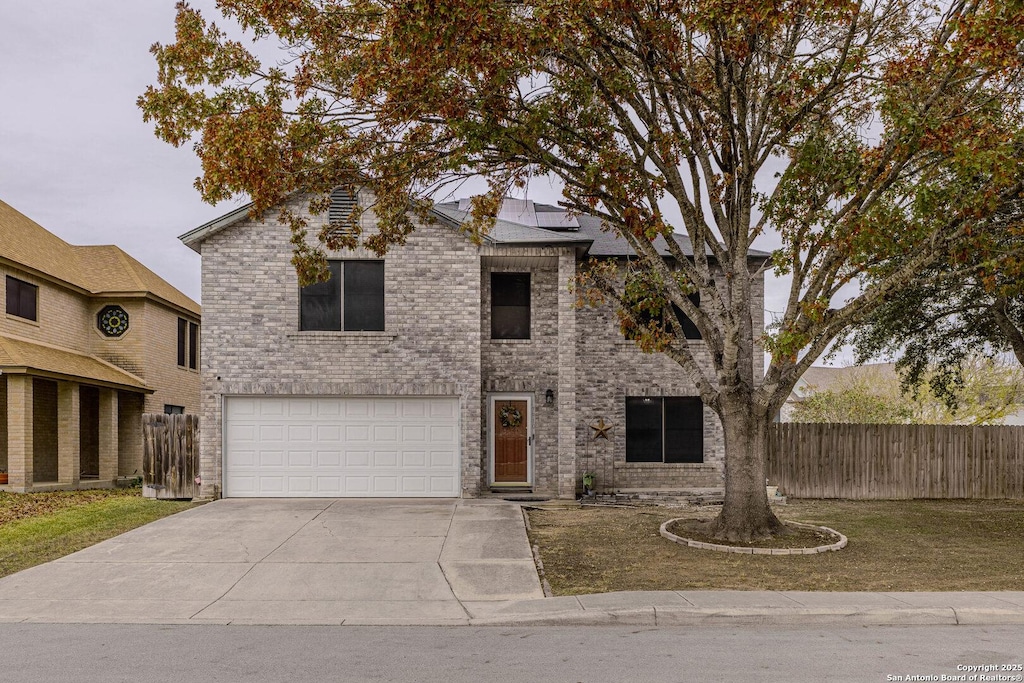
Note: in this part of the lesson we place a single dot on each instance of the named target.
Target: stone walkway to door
(291, 561)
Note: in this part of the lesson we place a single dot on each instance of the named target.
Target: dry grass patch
(793, 537)
(922, 545)
(40, 527)
(15, 506)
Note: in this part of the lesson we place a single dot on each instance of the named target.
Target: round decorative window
(112, 321)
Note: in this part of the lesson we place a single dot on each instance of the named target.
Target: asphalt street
(107, 653)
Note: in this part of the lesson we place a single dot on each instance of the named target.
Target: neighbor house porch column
(19, 432)
(108, 435)
(69, 453)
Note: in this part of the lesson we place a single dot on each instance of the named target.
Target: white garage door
(333, 446)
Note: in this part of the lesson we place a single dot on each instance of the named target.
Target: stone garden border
(838, 545)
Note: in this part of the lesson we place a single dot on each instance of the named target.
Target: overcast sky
(75, 155)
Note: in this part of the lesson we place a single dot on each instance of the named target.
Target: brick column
(108, 435)
(69, 461)
(566, 377)
(19, 432)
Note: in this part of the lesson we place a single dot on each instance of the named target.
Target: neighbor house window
(21, 298)
(173, 410)
(510, 305)
(664, 429)
(182, 340)
(351, 300)
(188, 344)
(193, 346)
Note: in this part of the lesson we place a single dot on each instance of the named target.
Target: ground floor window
(173, 410)
(664, 429)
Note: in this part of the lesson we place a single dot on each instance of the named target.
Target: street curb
(676, 616)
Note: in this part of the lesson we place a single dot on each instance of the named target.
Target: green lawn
(39, 527)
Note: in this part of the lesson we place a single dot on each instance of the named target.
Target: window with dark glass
(351, 300)
(173, 410)
(193, 346)
(690, 330)
(320, 303)
(363, 303)
(510, 305)
(182, 340)
(664, 429)
(21, 298)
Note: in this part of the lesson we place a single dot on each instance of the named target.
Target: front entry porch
(59, 434)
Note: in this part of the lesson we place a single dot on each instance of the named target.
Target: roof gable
(95, 269)
(519, 222)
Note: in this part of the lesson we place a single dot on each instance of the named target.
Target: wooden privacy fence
(895, 461)
(170, 457)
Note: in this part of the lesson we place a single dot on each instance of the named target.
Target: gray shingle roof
(547, 224)
(506, 232)
(519, 222)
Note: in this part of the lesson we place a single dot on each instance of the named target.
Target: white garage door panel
(341, 447)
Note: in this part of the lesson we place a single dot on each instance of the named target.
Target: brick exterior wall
(62, 314)
(67, 318)
(175, 385)
(610, 368)
(251, 343)
(525, 366)
(437, 342)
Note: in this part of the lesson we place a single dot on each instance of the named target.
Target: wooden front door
(511, 440)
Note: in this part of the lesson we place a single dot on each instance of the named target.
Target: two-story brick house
(90, 339)
(442, 369)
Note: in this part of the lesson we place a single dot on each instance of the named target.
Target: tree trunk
(746, 514)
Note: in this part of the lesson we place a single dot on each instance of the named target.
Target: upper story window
(690, 330)
(664, 429)
(188, 344)
(510, 305)
(22, 298)
(351, 300)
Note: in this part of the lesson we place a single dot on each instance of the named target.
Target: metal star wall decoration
(601, 429)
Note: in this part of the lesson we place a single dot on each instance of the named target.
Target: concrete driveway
(291, 561)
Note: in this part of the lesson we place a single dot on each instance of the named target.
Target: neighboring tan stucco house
(90, 339)
(442, 369)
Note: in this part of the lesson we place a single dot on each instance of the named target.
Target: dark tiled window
(182, 340)
(22, 298)
(351, 300)
(188, 344)
(510, 305)
(193, 346)
(664, 429)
